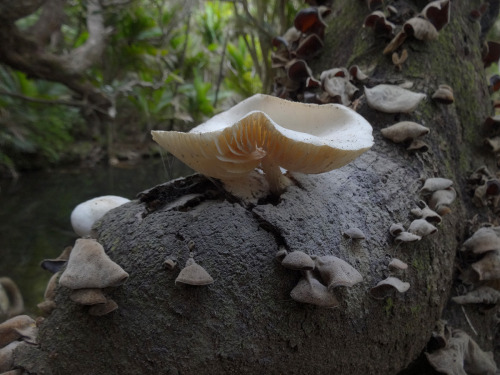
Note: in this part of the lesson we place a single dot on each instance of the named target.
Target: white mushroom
(404, 131)
(87, 213)
(271, 133)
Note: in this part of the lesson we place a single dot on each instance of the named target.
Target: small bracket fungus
(169, 264)
(443, 95)
(407, 237)
(194, 274)
(421, 228)
(436, 183)
(483, 240)
(404, 131)
(90, 267)
(298, 260)
(488, 267)
(87, 213)
(398, 60)
(484, 295)
(424, 212)
(397, 264)
(387, 286)
(271, 133)
(337, 272)
(392, 99)
(354, 234)
(310, 290)
(88, 296)
(19, 327)
(11, 299)
(396, 229)
(103, 308)
(461, 353)
(441, 199)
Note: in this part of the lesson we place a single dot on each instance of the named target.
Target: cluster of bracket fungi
(16, 332)
(320, 276)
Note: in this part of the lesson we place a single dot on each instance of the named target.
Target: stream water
(35, 214)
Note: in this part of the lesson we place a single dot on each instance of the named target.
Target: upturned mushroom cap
(337, 272)
(442, 198)
(194, 274)
(424, 212)
(88, 296)
(90, 267)
(21, 326)
(420, 29)
(311, 291)
(87, 213)
(483, 240)
(271, 132)
(443, 95)
(396, 228)
(298, 260)
(392, 99)
(386, 287)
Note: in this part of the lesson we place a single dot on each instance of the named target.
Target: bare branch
(83, 57)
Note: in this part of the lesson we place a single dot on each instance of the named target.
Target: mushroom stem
(273, 175)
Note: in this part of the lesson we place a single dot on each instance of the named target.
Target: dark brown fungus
(438, 13)
(494, 83)
(309, 20)
(309, 47)
(491, 53)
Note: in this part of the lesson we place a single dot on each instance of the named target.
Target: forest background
(164, 64)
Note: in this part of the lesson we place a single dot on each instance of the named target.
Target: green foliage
(167, 65)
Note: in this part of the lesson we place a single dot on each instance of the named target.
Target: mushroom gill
(271, 133)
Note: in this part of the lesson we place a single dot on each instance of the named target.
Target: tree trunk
(246, 322)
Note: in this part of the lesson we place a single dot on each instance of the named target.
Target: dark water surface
(35, 214)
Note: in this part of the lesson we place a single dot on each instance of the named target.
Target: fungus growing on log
(271, 133)
(387, 287)
(194, 274)
(392, 99)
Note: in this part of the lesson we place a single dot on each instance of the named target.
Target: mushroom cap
(483, 240)
(398, 264)
(435, 183)
(421, 227)
(396, 229)
(354, 233)
(403, 131)
(407, 237)
(88, 296)
(298, 260)
(233, 143)
(309, 290)
(90, 267)
(21, 326)
(103, 308)
(392, 99)
(483, 294)
(488, 267)
(87, 213)
(442, 198)
(385, 287)
(337, 272)
(194, 274)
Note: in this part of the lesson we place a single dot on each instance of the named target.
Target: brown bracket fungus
(312, 291)
(194, 274)
(404, 131)
(337, 272)
(438, 13)
(11, 299)
(271, 133)
(88, 296)
(49, 304)
(399, 60)
(462, 356)
(443, 95)
(488, 267)
(392, 99)
(420, 29)
(387, 287)
(377, 21)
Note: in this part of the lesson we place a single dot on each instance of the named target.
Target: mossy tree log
(246, 322)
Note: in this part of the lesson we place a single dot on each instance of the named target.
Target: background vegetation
(167, 64)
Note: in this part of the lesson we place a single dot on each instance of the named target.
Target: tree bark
(246, 322)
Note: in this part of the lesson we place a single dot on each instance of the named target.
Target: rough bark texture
(246, 322)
